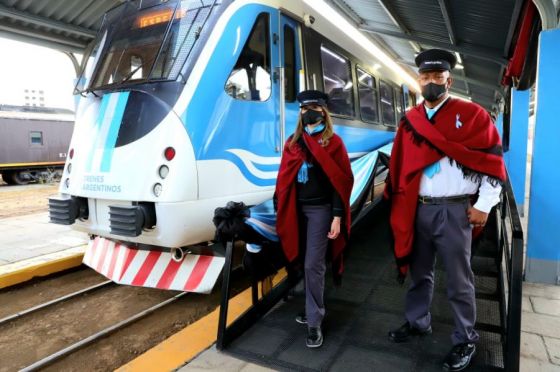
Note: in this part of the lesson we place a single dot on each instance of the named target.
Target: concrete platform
(30, 243)
(213, 360)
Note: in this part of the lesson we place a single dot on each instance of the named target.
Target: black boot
(459, 357)
(403, 333)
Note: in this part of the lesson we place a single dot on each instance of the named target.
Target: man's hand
(335, 228)
(476, 217)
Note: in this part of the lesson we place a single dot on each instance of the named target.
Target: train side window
(399, 103)
(367, 94)
(408, 101)
(387, 103)
(250, 78)
(338, 82)
(289, 63)
(36, 138)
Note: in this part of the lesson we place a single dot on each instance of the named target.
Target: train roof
(36, 113)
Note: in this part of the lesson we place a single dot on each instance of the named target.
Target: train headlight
(67, 182)
(163, 171)
(157, 189)
(69, 168)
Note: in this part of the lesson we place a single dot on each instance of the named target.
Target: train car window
(399, 103)
(290, 63)
(387, 103)
(36, 138)
(408, 101)
(337, 78)
(250, 78)
(367, 94)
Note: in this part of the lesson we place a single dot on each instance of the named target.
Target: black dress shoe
(314, 337)
(459, 357)
(301, 318)
(403, 333)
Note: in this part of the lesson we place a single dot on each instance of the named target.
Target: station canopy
(483, 33)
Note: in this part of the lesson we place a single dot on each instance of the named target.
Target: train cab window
(387, 103)
(367, 94)
(338, 82)
(136, 67)
(144, 41)
(289, 64)
(250, 78)
(36, 138)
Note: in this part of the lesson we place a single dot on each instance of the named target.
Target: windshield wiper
(131, 74)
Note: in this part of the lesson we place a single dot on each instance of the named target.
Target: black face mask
(311, 117)
(432, 91)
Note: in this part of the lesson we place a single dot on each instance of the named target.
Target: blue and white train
(185, 105)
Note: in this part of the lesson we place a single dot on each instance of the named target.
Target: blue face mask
(317, 129)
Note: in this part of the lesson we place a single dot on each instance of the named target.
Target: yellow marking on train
(186, 344)
(30, 164)
(22, 271)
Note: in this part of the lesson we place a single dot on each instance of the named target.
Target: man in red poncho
(445, 152)
(313, 192)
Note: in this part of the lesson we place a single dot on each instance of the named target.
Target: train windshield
(146, 40)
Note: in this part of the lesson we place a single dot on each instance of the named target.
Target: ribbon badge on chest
(458, 123)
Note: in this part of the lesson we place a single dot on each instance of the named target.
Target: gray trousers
(317, 224)
(443, 228)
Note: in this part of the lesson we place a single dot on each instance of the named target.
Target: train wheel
(7, 177)
(15, 178)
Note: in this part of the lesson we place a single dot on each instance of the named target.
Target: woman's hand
(335, 228)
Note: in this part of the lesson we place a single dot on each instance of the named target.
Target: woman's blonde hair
(325, 136)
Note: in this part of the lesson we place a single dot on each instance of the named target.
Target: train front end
(131, 173)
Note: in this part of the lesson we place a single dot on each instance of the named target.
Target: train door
(291, 73)
(242, 142)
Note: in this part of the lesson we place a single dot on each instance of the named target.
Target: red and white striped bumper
(154, 269)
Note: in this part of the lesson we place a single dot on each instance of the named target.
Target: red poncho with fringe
(333, 160)
(460, 130)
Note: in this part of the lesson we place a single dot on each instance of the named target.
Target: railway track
(100, 322)
(102, 333)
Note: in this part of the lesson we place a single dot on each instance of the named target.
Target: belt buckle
(422, 199)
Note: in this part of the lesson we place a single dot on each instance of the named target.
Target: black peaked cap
(309, 97)
(435, 60)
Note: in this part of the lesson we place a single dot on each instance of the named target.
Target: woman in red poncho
(313, 194)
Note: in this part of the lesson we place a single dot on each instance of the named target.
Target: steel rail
(88, 340)
(53, 302)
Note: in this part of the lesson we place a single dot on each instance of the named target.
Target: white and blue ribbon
(303, 174)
